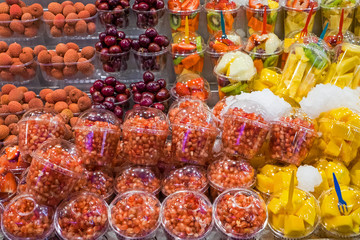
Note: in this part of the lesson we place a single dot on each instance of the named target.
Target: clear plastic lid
(225, 173)
(98, 119)
(179, 46)
(185, 206)
(247, 207)
(182, 103)
(195, 117)
(215, 5)
(61, 156)
(138, 178)
(317, 53)
(42, 114)
(191, 85)
(299, 118)
(292, 5)
(219, 45)
(83, 216)
(135, 215)
(33, 221)
(247, 109)
(146, 119)
(11, 159)
(187, 178)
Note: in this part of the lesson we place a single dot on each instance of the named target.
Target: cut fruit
(175, 21)
(214, 21)
(293, 226)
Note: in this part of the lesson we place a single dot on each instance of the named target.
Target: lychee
(67, 114)
(84, 103)
(74, 108)
(70, 57)
(16, 95)
(4, 7)
(59, 21)
(59, 106)
(72, 45)
(68, 9)
(84, 14)
(28, 50)
(55, 32)
(57, 62)
(15, 50)
(6, 89)
(17, 26)
(69, 30)
(59, 95)
(5, 32)
(81, 27)
(84, 65)
(73, 121)
(36, 10)
(65, 3)
(31, 31)
(11, 119)
(26, 19)
(25, 57)
(17, 68)
(49, 105)
(28, 96)
(10, 2)
(15, 107)
(36, 103)
(88, 52)
(44, 57)
(5, 59)
(71, 19)
(4, 17)
(3, 46)
(56, 73)
(4, 132)
(14, 129)
(38, 49)
(79, 6)
(55, 8)
(75, 94)
(91, 28)
(49, 17)
(91, 9)
(70, 70)
(15, 11)
(44, 92)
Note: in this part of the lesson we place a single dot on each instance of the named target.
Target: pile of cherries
(147, 12)
(113, 12)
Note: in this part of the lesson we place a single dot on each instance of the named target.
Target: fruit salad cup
(292, 137)
(185, 206)
(36, 126)
(188, 57)
(97, 133)
(8, 185)
(193, 136)
(234, 72)
(179, 10)
(306, 65)
(26, 219)
(213, 9)
(55, 169)
(138, 178)
(191, 85)
(187, 178)
(247, 207)
(10, 159)
(295, 222)
(135, 215)
(296, 14)
(355, 175)
(144, 134)
(225, 174)
(331, 13)
(83, 216)
(333, 222)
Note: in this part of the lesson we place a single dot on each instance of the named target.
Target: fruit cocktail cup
(331, 13)
(179, 10)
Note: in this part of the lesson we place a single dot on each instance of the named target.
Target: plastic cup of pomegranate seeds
(135, 215)
(138, 178)
(144, 134)
(83, 216)
(292, 137)
(193, 136)
(36, 126)
(226, 173)
(191, 178)
(184, 102)
(244, 129)
(1, 213)
(187, 215)
(54, 171)
(24, 218)
(97, 133)
(240, 213)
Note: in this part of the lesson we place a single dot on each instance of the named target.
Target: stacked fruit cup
(148, 13)
(179, 10)
(83, 216)
(331, 14)
(191, 85)
(114, 13)
(144, 134)
(97, 133)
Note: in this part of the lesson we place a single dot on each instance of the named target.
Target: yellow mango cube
(308, 211)
(275, 205)
(332, 149)
(293, 226)
(329, 206)
(343, 224)
(278, 221)
(356, 216)
(342, 130)
(264, 183)
(340, 170)
(282, 180)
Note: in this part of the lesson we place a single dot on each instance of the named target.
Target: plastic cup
(11, 159)
(332, 16)
(18, 74)
(241, 204)
(55, 169)
(263, 60)
(255, 19)
(149, 19)
(1, 213)
(151, 61)
(138, 178)
(31, 29)
(118, 18)
(196, 87)
(145, 211)
(34, 221)
(177, 20)
(36, 126)
(83, 216)
(186, 205)
(97, 133)
(113, 62)
(144, 134)
(182, 103)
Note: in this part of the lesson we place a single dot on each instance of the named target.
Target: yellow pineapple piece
(330, 73)
(341, 114)
(343, 80)
(356, 216)
(347, 65)
(332, 149)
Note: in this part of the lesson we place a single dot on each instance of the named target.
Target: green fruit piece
(193, 15)
(271, 61)
(199, 48)
(175, 21)
(214, 21)
(272, 18)
(332, 3)
(234, 89)
(177, 60)
(316, 55)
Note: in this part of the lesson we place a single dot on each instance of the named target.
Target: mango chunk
(342, 130)
(332, 149)
(282, 180)
(293, 226)
(356, 216)
(275, 205)
(343, 224)
(329, 207)
(264, 183)
(278, 221)
(308, 211)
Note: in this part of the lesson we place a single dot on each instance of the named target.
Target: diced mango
(329, 206)
(282, 180)
(269, 170)
(356, 228)
(323, 186)
(346, 153)
(349, 198)
(356, 216)
(343, 224)
(340, 170)
(278, 221)
(340, 114)
(275, 205)
(264, 183)
(293, 226)
(342, 130)
(308, 211)
(332, 149)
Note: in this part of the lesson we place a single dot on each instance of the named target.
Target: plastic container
(254, 18)
(187, 178)
(36, 126)
(83, 216)
(191, 85)
(118, 18)
(182, 103)
(332, 15)
(177, 19)
(225, 174)
(185, 206)
(247, 207)
(18, 74)
(138, 178)
(144, 134)
(97, 133)
(25, 219)
(245, 129)
(151, 61)
(188, 57)
(8, 185)
(298, 222)
(55, 169)
(230, 11)
(193, 136)
(149, 19)
(113, 62)
(292, 137)
(26, 29)
(11, 159)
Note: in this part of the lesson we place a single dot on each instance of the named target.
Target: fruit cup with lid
(179, 10)
(331, 13)
(191, 85)
(182, 103)
(97, 133)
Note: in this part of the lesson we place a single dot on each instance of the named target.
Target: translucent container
(182, 103)
(298, 222)
(357, 22)
(177, 19)
(148, 19)
(254, 19)
(332, 16)
(247, 207)
(82, 216)
(145, 211)
(36, 126)
(193, 136)
(55, 169)
(1, 213)
(26, 29)
(187, 178)
(97, 133)
(245, 129)
(213, 17)
(188, 57)
(113, 62)
(33, 221)
(191, 85)
(18, 74)
(225, 174)
(11, 159)
(185, 206)
(144, 134)
(138, 178)
(8, 185)
(151, 61)
(116, 17)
